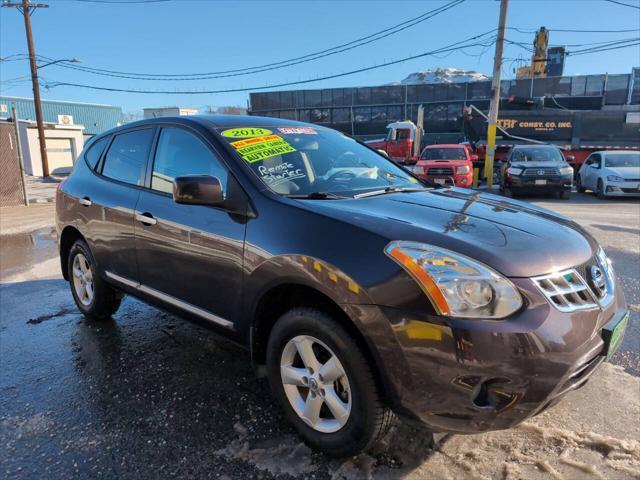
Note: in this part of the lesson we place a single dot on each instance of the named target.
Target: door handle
(146, 218)
(86, 201)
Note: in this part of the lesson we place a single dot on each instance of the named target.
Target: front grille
(567, 291)
(440, 171)
(586, 286)
(630, 190)
(537, 172)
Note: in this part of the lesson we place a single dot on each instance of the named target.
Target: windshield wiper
(317, 196)
(389, 190)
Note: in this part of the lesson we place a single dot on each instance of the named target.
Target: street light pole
(495, 95)
(25, 8)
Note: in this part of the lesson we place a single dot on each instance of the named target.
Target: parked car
(610, 174)
(446, 164)
(359, 296)
(536, 169)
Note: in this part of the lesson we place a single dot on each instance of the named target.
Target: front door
(591, 172)
(188, 255)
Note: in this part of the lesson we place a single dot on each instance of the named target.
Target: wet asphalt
(148, 395)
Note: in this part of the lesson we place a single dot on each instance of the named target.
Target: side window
(180, 153)
(95, 151)
(595, 160)
(127, 157)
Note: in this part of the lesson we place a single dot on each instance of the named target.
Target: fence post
(14, 114)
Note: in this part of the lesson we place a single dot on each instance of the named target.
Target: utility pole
(495, 95)
(26, 8)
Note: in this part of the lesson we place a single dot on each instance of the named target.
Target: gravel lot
(148, 395)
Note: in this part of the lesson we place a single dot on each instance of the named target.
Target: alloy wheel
(315, 383)
(83, 279)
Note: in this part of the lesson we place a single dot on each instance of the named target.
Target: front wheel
(579, 185)
(94, 297)
(323, 382)
(600, 190)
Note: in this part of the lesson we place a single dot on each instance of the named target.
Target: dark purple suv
(358, 290)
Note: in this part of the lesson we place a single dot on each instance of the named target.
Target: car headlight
(463, 169)
(456, 285)
(566, 170)
(418, 170)
(514, 171)
(615, 178)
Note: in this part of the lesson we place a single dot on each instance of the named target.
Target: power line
(623, 4)
(603, 49)
(570, 30)
(122, 1)
(280, 64)
(454, 46)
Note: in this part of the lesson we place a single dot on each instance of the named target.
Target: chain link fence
(11, 187)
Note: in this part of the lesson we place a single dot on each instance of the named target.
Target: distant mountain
(443, 75)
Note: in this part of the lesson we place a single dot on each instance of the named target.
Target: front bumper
(467, 376)
(459, 180)
(622, 189)
(540, 183)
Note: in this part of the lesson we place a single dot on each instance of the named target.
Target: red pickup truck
(450, 164)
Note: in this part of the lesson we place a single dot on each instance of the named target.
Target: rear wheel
(94, 297)
(579, 186)
(600, 190)
(322, 380)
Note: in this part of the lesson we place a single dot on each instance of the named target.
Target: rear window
(95, 151)
(127, 157)
(444, 154)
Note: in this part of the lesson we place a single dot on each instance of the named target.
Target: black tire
(106, 300)
(579, 186)
(600, 190)
(565, 195)
(369, 420)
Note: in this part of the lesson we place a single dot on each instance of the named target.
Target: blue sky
(184, 36)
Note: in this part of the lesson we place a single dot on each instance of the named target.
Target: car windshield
(311, 160)
(443, 154)
(622, 159)
(537, 154)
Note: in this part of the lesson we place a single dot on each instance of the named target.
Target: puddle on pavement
(21, 251)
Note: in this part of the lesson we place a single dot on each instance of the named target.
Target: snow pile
(443, 75)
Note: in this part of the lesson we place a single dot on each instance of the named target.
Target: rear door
(112, 201)
(188, 255)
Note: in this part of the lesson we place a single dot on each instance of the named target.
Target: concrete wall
(31, 146)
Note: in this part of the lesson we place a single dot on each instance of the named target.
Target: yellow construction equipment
(538, 67)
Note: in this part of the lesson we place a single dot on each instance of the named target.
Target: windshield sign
(618, 160)
(307, 161)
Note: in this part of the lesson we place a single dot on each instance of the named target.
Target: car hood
(624, 172)
(515, 238)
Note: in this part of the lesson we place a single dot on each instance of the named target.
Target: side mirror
(383, 153)
(474, 158)
(198, 190)
(570, 158)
